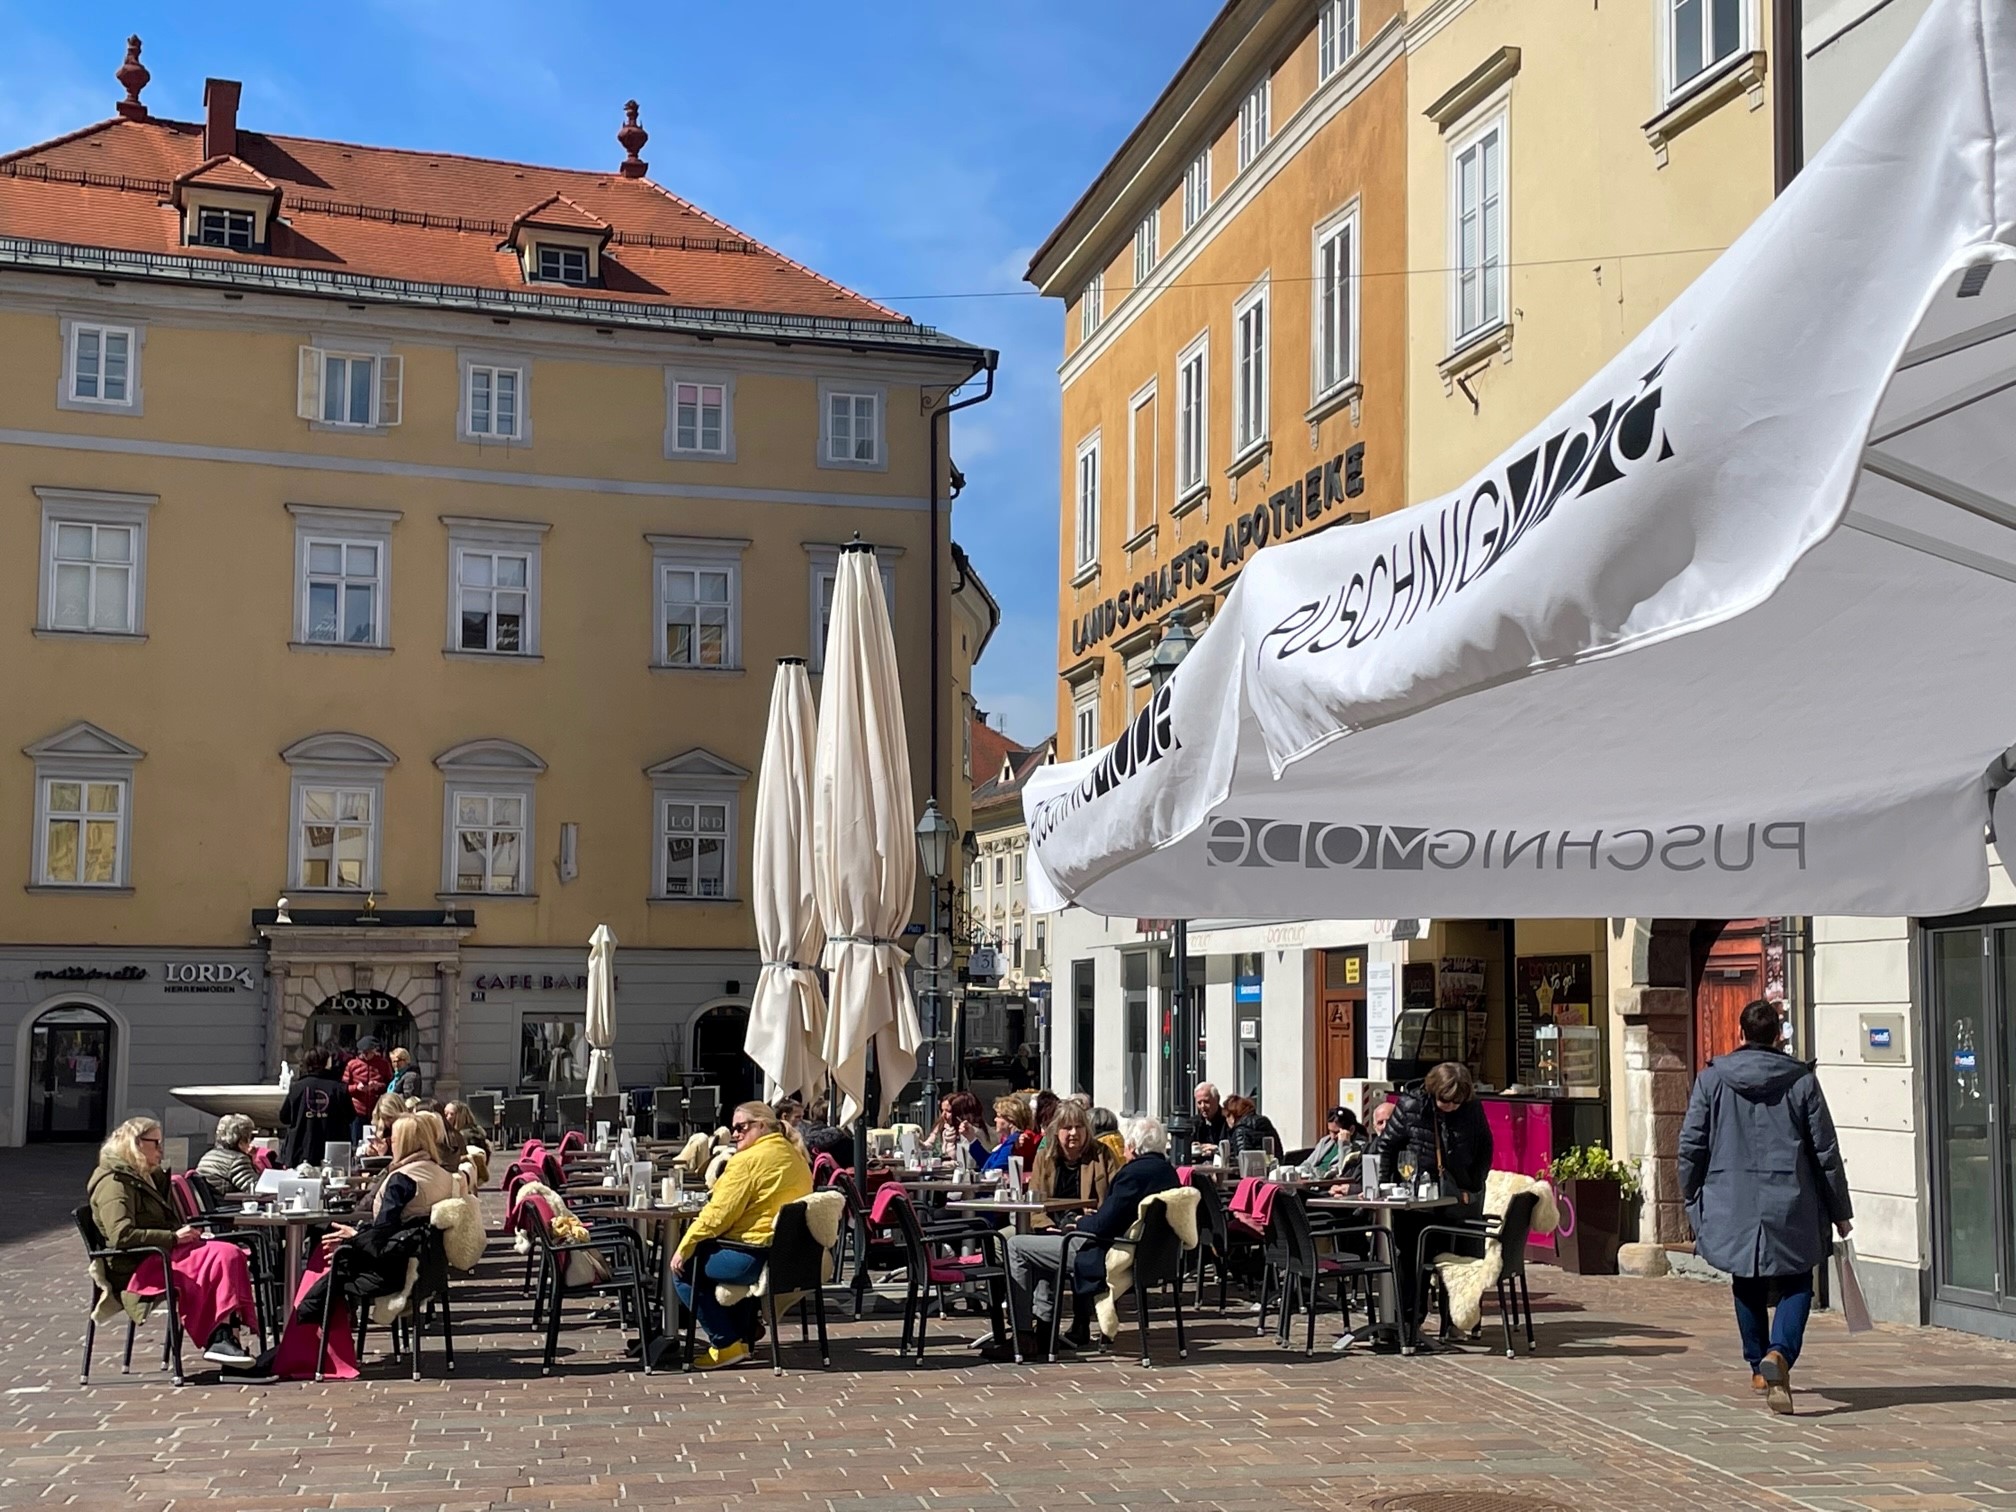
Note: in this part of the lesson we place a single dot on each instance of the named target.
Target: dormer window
(215, 227)
(568, 265)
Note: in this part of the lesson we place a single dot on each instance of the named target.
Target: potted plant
(1593, 1186)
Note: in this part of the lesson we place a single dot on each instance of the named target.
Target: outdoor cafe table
(1382, 1210)
(673, 1221)
(297, 1226)
(1023, 1211)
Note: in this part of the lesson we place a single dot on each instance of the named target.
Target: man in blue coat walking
(1761, 1174)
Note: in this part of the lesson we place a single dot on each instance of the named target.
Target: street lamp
(934, 848)
(1176, 643)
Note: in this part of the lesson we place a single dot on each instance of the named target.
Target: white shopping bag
(1848, 1291)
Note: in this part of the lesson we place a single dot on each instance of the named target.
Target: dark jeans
(1088, 1279)
(722, 1325)
(358, 1124)
(1764, 1329)
(1409, 1263)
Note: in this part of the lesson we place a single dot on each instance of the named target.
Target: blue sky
(907, 148)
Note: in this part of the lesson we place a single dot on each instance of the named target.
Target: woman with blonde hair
(723, 1245)
(378, 1132)
(414, 1182)
(1013, 1133)
(133, 1205)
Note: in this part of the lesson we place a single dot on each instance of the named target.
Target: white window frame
(1252, 390)
(563, 259)
(341, 763)
(825, 573)
(83, 754)
(1092, 305)
(488, 769)
(1322, 316)
(833, 388)
(675, 377)
(1673, 87)
(469, 533)
(697, 777)
(492, 368)
(1193, 397)
(1492, 285)
(229, 219)
(388, 373)
(318, 526)
(1085, 722)
(1255, 112)
(1147, 252)
(1197, 189)
(1085, 471)
(70, 506)
(1138, 518)
(696, 554)
(74, 330)
(1336, 36)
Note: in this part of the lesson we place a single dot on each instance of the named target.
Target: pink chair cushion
(572, 1141)
(952, 1269)
(263, 1158)
(885, 1200)
(185, 1195)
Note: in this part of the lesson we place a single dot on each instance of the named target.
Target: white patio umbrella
(601, 1026)
(1728, 635)
(864, 859)
(787, 1016)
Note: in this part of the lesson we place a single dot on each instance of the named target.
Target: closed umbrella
(864, 861)
(1726, 636)
(787, 1017)
(601, 1012)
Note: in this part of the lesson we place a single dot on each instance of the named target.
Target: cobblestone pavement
(1631, 1402)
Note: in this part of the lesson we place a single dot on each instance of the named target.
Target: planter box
(1590, 1249)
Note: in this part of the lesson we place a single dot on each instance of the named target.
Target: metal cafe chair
(703, 1108)
(482, 1107)
(94, 1250)
(519, 1116)
(571, 1110)
(606, 1109)
(668, 1111)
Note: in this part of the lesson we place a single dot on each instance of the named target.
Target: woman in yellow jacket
(723, 1245)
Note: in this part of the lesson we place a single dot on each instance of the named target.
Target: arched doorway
(70, 1052)
(718, 1057)
(345, 1018)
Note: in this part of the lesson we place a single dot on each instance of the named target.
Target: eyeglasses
(153, 1139)
(738, 1130)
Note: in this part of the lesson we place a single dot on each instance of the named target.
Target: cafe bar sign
(1283, 513)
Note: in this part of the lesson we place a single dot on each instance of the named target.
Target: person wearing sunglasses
(133, 1205)
(724, 1245)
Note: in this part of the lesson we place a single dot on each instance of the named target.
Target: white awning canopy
(1733, 633)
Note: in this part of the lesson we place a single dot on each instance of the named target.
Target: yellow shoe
(716, 1357)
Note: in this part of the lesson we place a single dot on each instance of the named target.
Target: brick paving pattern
(1632, 1402)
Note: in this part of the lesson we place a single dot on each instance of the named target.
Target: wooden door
(1340, 1003)
(1729, 979)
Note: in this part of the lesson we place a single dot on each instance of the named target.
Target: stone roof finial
(133, 76)
(632, 137)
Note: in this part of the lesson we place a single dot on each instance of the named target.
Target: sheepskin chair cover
(1180, 1204)
(1465, 1278)
(824, 1213)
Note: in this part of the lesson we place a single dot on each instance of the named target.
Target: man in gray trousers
(1761, 1174)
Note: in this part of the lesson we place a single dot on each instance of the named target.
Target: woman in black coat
(1441, 1128)
(1247, 1128)
(316, 1111)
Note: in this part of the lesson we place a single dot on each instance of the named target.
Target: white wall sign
(1378, 1009)
(206, 976)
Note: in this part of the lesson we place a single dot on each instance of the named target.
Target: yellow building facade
(1532, 181)
(439, 600)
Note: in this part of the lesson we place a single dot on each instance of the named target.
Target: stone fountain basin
(259, 1103)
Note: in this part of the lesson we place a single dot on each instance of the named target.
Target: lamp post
(1167, 656)
(934, 849)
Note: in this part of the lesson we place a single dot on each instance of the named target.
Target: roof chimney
(220, 117)
(631, 138)
(132, 76)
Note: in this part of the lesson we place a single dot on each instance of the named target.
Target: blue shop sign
(1246, 989)
(1879, 1039)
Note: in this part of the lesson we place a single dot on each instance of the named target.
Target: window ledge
(1702, 96)
(77, 890)
(514, 443)
(1491, 344)
(1352, 393)
(485, 897)
(338, 428)
(676, 667)
(332, 894)
(128, 637)
(338, 648)
(689, 902)
(456, 653)
(1258, 452)
(1198, 496)
(1145, 536)
(1089, 573)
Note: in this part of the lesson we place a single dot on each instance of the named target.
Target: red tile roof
(392, 213)
(993, 754)
(229, 173)
(556, 212)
